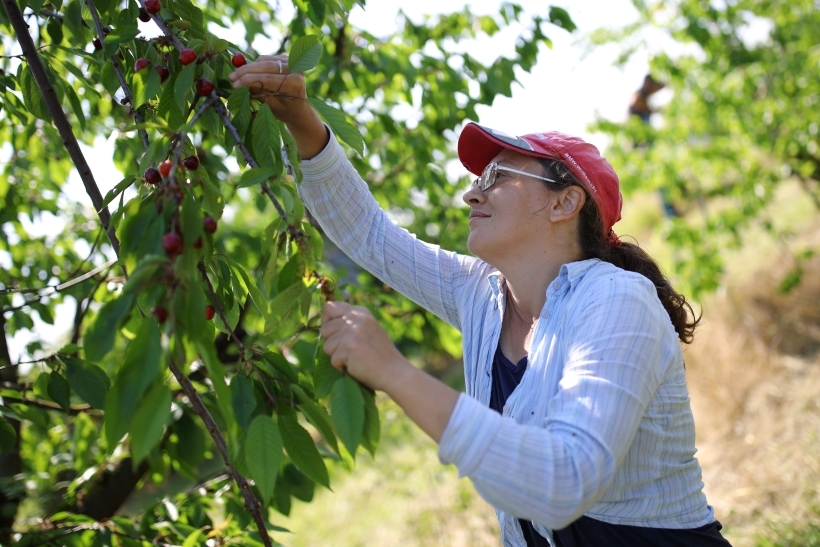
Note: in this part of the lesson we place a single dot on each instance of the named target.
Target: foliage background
(737, 143)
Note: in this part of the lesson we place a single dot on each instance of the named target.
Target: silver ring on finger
(279, 62)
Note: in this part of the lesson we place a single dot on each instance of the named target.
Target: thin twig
(59, 288)
(73, 410)
(160, 22)
(59, 118)
(129, 96)
(251, 503)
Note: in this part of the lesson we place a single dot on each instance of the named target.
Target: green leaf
(88, 381)
(149, 421)
(8, 437)
(191, 440)
(255, 175)
(340, 124)
(324, 375)
(318, 417)
(121, 34)
(76, 106)
(304, 53)
(280, 364)
(146, 272)
(183, 84)
(347, 412)
(59, 391)
(302, 450)
(242, 399)
(284, 305)
(266, 141)
(191, 220)
(250, 287)
(213, 201)
(263, 454)
(316, 11)
(167, 108)
(140, 367)
(560, 17)
(291, 151)
(117, 190)
(216, 374)
(32, 96)
(239, 105)
(146, 85)
(193, 539)
(372, 425)
(99, 338)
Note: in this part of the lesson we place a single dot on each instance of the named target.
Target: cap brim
(478, 145)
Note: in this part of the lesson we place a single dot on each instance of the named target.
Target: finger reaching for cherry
(269, 80)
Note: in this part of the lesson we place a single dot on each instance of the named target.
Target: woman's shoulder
(594, 279)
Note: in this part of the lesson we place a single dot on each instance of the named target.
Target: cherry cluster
(172, 242)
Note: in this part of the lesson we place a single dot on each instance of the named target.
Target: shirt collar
(571, 271)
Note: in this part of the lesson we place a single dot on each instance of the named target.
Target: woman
(594, 444)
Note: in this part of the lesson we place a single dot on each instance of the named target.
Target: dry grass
(754, 377)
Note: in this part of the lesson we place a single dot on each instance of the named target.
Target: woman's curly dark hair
(627, 256)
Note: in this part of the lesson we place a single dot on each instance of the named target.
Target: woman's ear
(567, 203)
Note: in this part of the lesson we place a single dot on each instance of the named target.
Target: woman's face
(510, 218)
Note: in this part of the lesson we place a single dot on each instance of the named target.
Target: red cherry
(191, 163)
(144, 16)
(152, 6)
(160, 313)
(209, 223)
(198, 243)
(187, 56)
(141, 64)
(172, 243)
(152, 176)
(204, 87)
(165, 168)
(163, 73)
(209, 312)
(238, 60)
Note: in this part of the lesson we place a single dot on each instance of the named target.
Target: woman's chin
(477, 247)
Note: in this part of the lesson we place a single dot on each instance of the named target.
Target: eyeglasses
(490, 175)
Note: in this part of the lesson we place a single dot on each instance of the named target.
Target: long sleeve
(615, 352)
(341, 202)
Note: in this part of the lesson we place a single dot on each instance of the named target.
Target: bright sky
(564, 92)
(565, 89)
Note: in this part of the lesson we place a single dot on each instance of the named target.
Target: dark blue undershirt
(587, 532)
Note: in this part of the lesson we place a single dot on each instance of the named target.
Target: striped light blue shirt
(600, 424)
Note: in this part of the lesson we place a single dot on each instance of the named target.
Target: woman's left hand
(357, 343)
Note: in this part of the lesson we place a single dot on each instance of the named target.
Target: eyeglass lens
(487, 177)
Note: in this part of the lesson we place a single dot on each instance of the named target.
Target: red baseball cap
(478, 145)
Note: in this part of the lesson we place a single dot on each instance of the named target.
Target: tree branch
(59, 118)
(251, 503)
(10, 464)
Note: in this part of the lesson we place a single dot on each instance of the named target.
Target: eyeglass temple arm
(511, 170)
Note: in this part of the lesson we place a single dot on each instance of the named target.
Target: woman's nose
(473, 196)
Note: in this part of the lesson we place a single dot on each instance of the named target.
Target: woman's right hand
(284, 92)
